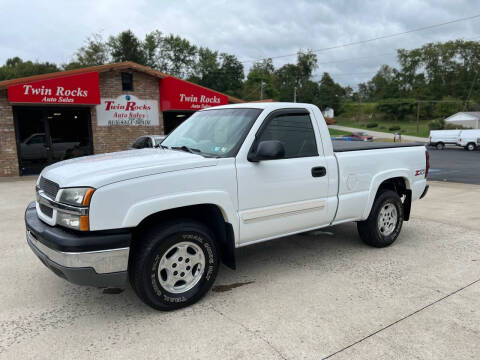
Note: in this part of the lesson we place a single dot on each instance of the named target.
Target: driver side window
(294, 131)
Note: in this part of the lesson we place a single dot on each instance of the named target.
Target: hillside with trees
(430, 83)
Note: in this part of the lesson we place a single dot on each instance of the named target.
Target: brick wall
(8, 147)
(115, 138)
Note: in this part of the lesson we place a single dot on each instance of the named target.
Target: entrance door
(48, 135)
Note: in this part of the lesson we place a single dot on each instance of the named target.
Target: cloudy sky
(52, 30)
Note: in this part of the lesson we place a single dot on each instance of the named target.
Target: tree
(397, 108)
(330, 93)
(260, 72)
(177, 56)
(231, 74)
(126, 47)
(151, 48)
(206, 69)
(17, 68)
(94, 52)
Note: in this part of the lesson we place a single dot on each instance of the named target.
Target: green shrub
(394, 127)
(437, 124)
(372, 125)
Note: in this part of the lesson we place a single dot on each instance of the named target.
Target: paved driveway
(314, 296)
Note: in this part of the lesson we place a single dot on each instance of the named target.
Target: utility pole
(262, 85)
(295, 94)
(418, 115)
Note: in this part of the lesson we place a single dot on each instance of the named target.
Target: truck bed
(342, 146)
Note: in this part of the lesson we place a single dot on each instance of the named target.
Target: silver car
(147, 141)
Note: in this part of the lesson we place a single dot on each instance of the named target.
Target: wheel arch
(212, 215)
(398, 182)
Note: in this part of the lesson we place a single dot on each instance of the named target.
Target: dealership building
(57, 116)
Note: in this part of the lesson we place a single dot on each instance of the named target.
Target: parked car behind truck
(230, 176)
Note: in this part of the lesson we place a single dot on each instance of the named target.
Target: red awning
(176, 94)
(75, 89)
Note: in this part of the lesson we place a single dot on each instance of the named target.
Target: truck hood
(104, 169)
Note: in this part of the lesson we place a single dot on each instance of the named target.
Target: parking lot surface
(312, 296)
(455, 164)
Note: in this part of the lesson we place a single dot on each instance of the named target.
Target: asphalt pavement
(455, 164)
(318, 295)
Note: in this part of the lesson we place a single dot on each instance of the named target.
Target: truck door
(286, 195)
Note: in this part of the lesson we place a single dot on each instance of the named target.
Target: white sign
(127, 110)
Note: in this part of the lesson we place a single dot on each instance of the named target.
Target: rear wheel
(384, 223)
(470, 147)
(440, 146)
(175, 265)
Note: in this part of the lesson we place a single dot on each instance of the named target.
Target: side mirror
(267, 150)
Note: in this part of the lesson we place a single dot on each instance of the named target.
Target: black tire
(369, 229)
(470, 147)
(155, 245)
(440, 146)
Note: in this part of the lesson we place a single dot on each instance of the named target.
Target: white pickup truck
(229, 176)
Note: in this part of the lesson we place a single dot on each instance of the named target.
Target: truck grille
(49, 187)
(46, 210)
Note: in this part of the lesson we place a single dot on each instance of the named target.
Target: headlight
(76, 196)
(77, 222)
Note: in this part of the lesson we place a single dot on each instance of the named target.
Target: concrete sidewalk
(310, 296)
(378, 134)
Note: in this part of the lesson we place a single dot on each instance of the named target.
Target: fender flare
(378, 180)
(143, 209)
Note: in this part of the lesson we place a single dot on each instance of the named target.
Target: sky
(53, 30)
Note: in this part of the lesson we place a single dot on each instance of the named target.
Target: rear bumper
(97, 259)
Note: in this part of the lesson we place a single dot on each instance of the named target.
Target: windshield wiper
(186, 148)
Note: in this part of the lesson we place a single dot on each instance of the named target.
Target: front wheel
(174, 265)
(470, 147)
(384, 223)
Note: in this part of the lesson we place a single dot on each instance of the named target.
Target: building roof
(127, 65)
(474, 114)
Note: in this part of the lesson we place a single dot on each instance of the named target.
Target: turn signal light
(87, 197)
(84, 224)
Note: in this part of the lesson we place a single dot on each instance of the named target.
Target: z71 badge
(419, 172)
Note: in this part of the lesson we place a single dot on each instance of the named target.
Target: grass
(335, 132)
(407, 127)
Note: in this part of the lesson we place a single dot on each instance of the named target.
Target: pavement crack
(250, 331)
(399, 320)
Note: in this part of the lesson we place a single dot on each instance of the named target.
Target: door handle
(319, 171)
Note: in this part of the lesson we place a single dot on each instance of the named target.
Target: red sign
(75, 89)
(176, 94)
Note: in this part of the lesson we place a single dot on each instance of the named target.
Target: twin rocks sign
(127, 110)
(176, 94)
(75, 89)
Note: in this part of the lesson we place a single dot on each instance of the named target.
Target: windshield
(215, 132)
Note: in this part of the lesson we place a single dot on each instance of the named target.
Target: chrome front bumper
(103, 261)
(96, 258)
